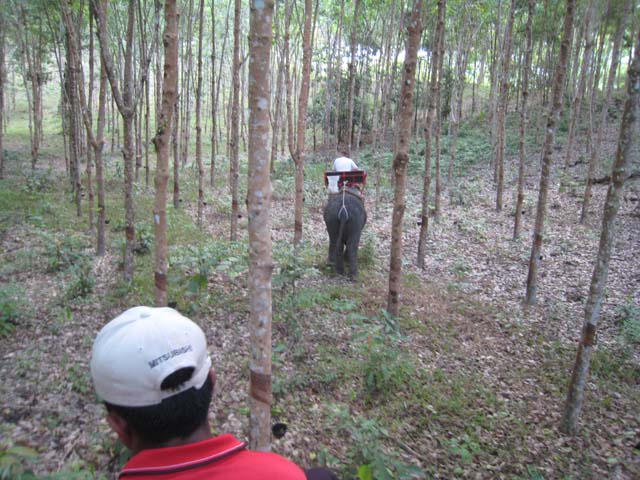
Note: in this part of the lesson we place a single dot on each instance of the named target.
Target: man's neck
(200, 434)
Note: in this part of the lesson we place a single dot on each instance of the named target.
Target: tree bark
(352, 78)
(258, 209)
(595, 151)
(434, 92)
(299, 153)
(576, 102)
(620, 172)
(126, 106)
(235, 124)
(526, 67)
(199, 160)
(547, 150)
(401, 159)
(162, 144)
(2, 81)
(503, 104)
(97, 141)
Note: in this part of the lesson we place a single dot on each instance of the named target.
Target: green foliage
(383, 367)
(628, 317)
(367, 456)
(11, 308)
(82, 280)
(13, 460)
(367, 251)
(465, 448)
(64, 250)
(613, 365)
(38, 181)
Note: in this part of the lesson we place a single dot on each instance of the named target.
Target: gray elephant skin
(345, 217)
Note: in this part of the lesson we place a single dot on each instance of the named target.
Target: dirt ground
(47, 403)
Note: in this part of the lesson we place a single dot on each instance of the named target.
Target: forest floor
(465, 383)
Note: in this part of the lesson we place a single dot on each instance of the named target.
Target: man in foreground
(152, 369)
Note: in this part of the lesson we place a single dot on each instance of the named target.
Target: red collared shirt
(222, 457)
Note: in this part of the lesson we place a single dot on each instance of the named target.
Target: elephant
(345, 217)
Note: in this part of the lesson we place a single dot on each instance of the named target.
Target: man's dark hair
(177, 416)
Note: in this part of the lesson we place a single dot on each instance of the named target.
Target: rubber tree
(401, 158)
(547, 152)
(162, 142)
(621, 170)
(526, 68)
(234, 139)
(125, 101)
(434, 92)
(298, 151)
(258, 210)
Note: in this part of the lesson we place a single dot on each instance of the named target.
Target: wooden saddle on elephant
(353, 181)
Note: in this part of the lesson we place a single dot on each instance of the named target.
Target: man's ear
(122, 429)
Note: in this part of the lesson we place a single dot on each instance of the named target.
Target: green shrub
(82, 280)
(11, 306)
(629, 320)
(384, 369)
(64, 251)
(367, 457)
(13, 460)
(38, 181)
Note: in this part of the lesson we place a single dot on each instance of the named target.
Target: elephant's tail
(343, 217)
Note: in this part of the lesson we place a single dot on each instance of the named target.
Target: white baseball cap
(137, 350)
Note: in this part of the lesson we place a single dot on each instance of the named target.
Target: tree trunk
(258, 210)
(401, 159)
(162, 144)
(126, 106)
(547, 150)
(620, 172)
(235, 124)
(576, 102)
(2, 80)
(185, 98)
(434, 92)
(595, 151)
(526, 67)
(352, 78)
(199, 160)
(503, 104)
(299, 153)
(438, 117)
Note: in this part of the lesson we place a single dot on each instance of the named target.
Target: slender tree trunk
(126, 106)
(299, 154)
(621, 170)
(3, 76)
(595, 151)
(438, 126)
(576, 103)
(214, 123)
(352, 78)
(97, 142)
(258, 209)
(162, 144)
(526, 67)
(185, 98)
(547, 150)
(503, 104)
(199, 160)
(235, 123)
(338, 78)
(175, 154)
(401, 159)
(434, 92)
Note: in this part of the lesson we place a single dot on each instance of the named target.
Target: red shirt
(223, 457)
